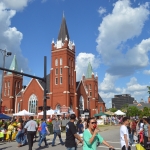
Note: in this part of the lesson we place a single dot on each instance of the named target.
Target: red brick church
(63, 89)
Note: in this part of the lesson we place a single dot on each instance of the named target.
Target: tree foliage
(113, 109)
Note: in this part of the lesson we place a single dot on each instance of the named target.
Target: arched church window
(56, 62)
(61, 62)
(18, 107)
(33, 103)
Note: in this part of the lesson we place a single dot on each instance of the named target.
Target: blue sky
(113, 35)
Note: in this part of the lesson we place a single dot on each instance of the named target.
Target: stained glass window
(33, 104)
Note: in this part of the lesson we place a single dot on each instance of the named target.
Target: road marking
(107, 147)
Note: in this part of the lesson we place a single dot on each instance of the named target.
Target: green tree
(133, 111)
(146, 111)
(113, 109)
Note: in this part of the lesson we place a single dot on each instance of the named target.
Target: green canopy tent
(101, 114)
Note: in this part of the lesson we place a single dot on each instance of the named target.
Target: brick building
(62, 88)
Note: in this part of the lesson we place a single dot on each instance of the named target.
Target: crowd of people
(82, 131)
(134, 131)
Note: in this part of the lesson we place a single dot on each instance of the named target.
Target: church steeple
(63, 32)
(14, 65)
(89, 71)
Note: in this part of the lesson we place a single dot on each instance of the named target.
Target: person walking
(124, 135)
(44, 132)
(31, 127)
(71, 134)
(146, 131)
(133, 129)
(91, 136)
(57, 131)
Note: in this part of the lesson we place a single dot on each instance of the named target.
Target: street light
(5, 54)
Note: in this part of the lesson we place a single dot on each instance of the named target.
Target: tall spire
(14, 65)
(63, 32)
(89, 71)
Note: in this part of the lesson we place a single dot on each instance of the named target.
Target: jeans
(43, 138)
(24, 139)
(132, 134)
(130, 139)
(19, 137)
(57, 133)
(39, 135)
(71, 148)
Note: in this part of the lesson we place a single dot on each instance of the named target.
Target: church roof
(89, 71)
(100, 99)
(63, 32)
(48, 83)
(14, 65)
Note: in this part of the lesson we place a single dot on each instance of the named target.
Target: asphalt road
(110, 134)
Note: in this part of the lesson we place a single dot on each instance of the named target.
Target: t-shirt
(80, 128)
(141, 126)
(31, 125)
(86, 138)
(43, 128)
(70, 138)
(56, 125)
(123, 131)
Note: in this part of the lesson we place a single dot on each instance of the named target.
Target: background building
(121, 100)
(62, 88)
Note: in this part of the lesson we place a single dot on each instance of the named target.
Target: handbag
(139, 147)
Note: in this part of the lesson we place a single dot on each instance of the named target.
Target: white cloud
(43, 1)
(101, 10)
(15, 4)
(10, 36)
(107, 89)
(123, 24)
(82, 61)
(147, 72)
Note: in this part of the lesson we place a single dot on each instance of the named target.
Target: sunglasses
(93, 122)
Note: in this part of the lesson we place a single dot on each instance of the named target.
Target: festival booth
(24, 113)
(3, 116)
(119, 113)
(102, 116)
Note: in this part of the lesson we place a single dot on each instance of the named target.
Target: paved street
(110, 134)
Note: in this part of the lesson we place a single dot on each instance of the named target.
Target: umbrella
(2, 116)
(101, 114)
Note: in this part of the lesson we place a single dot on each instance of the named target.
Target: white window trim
(60, 71)
(60, 80)
(57, 81)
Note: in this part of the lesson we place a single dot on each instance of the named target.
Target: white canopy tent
(23, 113)
(49, 112)
(119, 112)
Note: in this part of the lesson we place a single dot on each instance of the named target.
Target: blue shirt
(43, 126)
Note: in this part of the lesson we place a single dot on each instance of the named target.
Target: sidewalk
(102, 128)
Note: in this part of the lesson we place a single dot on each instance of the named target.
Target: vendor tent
(109, 113)
(49, 112)
(23, 113)
(3, 116)
(101, 114)
(119, 112)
